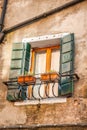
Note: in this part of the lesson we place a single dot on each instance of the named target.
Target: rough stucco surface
(13, 115)
(21, 11)
(73, 19)
(1, 6)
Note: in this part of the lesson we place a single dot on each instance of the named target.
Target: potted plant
(52, 75)
(29, 78)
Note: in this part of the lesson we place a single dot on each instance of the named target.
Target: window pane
(55, 59)
(40, 62)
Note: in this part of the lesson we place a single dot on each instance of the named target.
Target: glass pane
(40, 62)
(55, 59)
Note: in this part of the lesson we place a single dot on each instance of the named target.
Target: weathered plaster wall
(21, 11)
(1, 6)
(71, 20)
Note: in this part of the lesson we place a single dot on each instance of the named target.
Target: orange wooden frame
(48, 56)
(45, 48)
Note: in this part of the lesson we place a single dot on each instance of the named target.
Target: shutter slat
(66, 57)
(14, 73)
(16, 63)
(66, 67)
(17, 54)
(68, 38)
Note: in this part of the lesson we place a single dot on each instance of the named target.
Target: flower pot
(49, 76)
(26, 79)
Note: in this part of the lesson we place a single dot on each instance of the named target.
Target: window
(45, 59)
(58, 56)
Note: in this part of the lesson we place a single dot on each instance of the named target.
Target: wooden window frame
(48, 56)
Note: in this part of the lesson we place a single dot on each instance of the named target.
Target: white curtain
(40, 62)
(55, 59)
(40, 67)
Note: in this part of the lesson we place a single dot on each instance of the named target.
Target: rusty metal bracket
(73, 76)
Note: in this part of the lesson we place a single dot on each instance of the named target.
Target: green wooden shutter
(66, 65)
(23, 92)
(13, 92)
(20, 59)
(19, 66)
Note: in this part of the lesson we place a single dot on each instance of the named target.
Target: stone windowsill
(42, 101)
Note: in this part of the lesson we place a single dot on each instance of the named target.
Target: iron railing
(40, 89)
